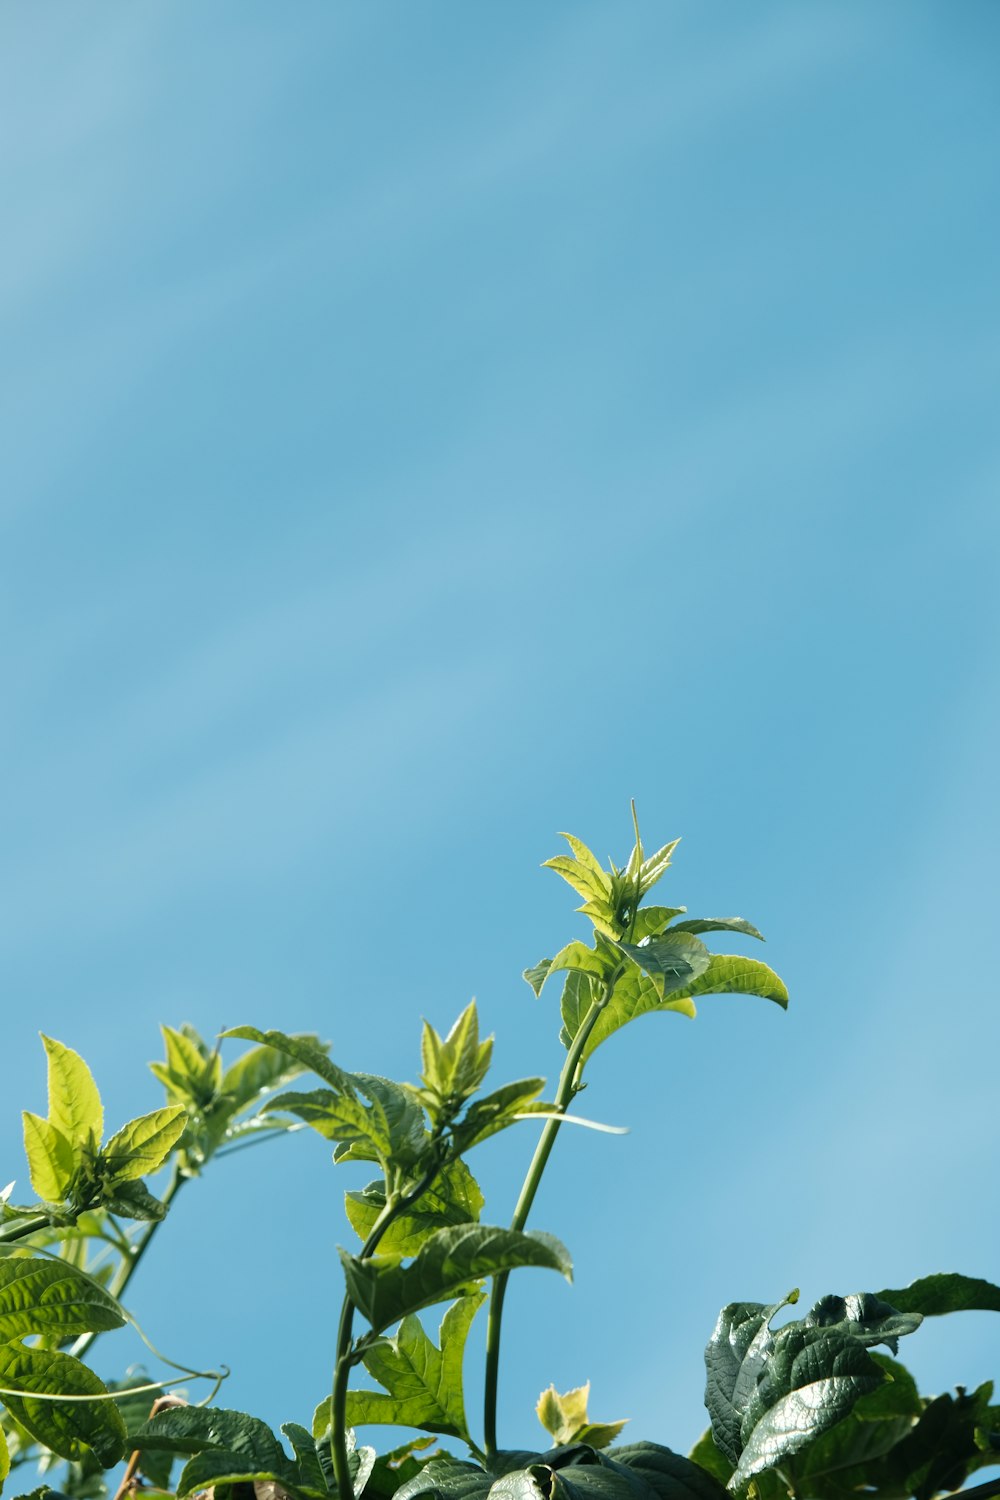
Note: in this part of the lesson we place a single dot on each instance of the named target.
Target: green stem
(22, 1230)
(130, 1263)
(569, 1084)
(343, 1361)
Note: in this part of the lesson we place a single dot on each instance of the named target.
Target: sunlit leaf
(51, 1158)
(718, 924)
(303, 1049)
(143, 1145)
(74, 1102)
(49, 1296)
(423, 1382)
(384, 1290)
(565, 1418)
(67, 1427)
(454, 1197)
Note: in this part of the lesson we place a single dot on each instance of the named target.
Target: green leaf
(655, 867)
(392, 1470)
(496, 1111)
(454, 1197)
(729, 974)
(143, 1145)
(650, 921)
(581, 870)
(260, 1070)
(565, 1418)
(635, 994)
(536, 976)
(384, 1290)
(4, 1457)
(876, 1424)
(133, 1200)
(718, 924)
(67, 1427)
(672, 960)
(391, 1126)
(423, 1383)
(709, 1457)
(770, 1395)
(303, 1049)
(945, 1292)
(51, 1158)
(668, 1475)
(455, 1066)
(49, 1296)
(74, 1103)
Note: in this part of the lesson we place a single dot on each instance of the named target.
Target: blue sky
(426, 428)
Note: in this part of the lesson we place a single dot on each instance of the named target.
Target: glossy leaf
(637, 1471)
(423, 1382)
(67, 1427)
(49, 1296)
(142, 1146)
(51, 1158)
(384, 1290)
(74, 1102)
(453, 1198)
(945, 1292)
(771, 1394)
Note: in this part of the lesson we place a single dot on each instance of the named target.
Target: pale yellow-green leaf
(4, 1457)
(74, 1102)
(50, 1156)
(143, 1145)
(565, 1418)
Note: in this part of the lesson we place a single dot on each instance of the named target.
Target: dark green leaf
(393, 1469)
(453, 1198)
(669, 1475)
(772, 1394)
(49, 1296)
(384, 1290)
(423, 1383)
(67, 1427)
(672, 960)
(193, 1429)
(709, 1457)
(945, 1292)
(133, 1200)
(718, 924)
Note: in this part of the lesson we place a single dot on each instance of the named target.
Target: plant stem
(130, 1264)
(394, 1206)
(569, 1084)
(21, 1231)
